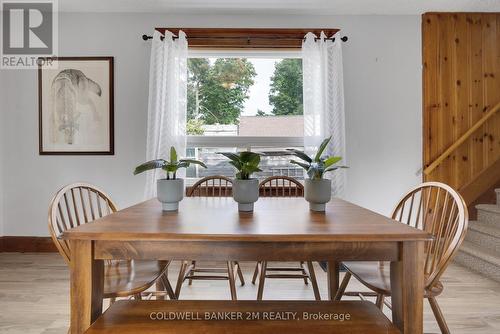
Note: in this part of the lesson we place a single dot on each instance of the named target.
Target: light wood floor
(34, 295)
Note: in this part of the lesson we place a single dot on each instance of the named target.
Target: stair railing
(490, 113)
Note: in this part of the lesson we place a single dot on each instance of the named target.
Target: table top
(273, 220)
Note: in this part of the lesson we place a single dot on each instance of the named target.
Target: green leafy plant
(245, 163)
(194, 127)
(316, 167)
(170, 167)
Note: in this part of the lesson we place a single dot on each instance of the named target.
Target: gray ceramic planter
(170, 193)
(246, 193)
(318, 193)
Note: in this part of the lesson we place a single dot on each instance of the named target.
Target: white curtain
(167, 102)
(324, 101)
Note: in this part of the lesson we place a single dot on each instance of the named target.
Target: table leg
(160, 286)
(87, 286)
(407, 288)
(333, 277)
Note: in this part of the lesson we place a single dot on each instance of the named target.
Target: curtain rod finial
(344, 39)
(146, 37)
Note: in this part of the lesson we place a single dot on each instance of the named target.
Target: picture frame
(76, 105)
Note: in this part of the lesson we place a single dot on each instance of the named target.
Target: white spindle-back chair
(436, 208)
(81, 203)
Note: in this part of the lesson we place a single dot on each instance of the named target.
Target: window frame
(247, 142)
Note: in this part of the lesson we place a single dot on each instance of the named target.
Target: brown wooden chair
(283, 186)
(210, 186)
(82, 203)
(433, 207)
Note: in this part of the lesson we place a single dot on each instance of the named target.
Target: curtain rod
(343, 38)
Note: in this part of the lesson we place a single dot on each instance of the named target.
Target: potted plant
(317, 190)
(245, 189)
(170, 190)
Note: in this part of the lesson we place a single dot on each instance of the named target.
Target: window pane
(275, 164)
(245, 97)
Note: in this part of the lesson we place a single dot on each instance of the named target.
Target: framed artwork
(75, 96)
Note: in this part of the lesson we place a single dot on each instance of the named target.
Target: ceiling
(275, 7)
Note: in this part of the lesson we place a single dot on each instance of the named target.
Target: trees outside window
(285, 95)
(219, 87)
(217, 92)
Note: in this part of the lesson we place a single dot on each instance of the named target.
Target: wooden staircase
(481, 248)
(470, 184)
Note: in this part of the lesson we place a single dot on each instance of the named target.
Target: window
(244, 100)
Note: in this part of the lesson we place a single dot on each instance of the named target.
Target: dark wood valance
(253, 38)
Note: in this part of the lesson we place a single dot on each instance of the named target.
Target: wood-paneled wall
(461, 81)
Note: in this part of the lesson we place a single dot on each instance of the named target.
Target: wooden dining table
(279, 229)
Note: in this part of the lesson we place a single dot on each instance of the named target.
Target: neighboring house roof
(283, 126)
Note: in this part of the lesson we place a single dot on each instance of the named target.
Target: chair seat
(123, 278)
(378, 278)
(372, 275)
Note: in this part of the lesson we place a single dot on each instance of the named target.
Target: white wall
(383, 106)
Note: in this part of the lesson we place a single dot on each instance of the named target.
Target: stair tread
(481, 252)
(485, 227)
(489, 207)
